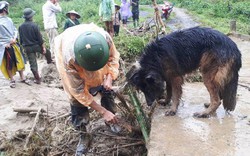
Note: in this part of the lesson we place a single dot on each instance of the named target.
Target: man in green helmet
(86, 58)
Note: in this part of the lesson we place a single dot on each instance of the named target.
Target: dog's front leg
(166, 98)
(176, 95)
(169, 93)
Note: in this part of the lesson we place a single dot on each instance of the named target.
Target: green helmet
(91, 51)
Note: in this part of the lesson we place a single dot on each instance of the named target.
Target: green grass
(130, 46)
(219, 13)
(149, 11)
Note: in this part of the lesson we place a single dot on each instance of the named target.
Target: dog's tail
(229, 92)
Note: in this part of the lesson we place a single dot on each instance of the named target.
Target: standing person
(106, 12)
(50, 8)
(87, 59)
(117, 20)
(32, 42)
(135, 12)
(72, 19)
(125, 12)
(11, 58)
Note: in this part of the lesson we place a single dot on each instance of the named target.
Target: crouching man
(87, 59)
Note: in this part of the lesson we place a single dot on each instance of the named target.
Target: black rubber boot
(80, 118)
(37, 77)
(83, 144)
(48, 56)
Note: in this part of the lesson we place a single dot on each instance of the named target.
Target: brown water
(222, 134)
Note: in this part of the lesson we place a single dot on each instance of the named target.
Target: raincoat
(107, 10)
(76, 80)
(125, 9)
(8, 32)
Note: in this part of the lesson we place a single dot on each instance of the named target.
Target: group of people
(111, 14)
(85, 56)
(28, 39)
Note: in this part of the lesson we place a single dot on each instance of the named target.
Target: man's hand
(13, 41)
(107, 115)
(44, 50)
(110, 117)
(7, 46)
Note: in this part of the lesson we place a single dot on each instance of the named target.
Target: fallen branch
(123, 146)
(27, 110)
(42, 114)
(245, 86)
(33, 128)
(123, 102)
(58, 153)
(115, 136)
(59, 117)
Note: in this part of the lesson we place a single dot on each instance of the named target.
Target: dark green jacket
(70, 23)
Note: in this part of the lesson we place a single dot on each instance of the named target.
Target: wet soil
(54, 133)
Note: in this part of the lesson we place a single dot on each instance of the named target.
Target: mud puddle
(222, 134)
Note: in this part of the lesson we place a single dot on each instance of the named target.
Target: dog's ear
(152, 78)
(133, 74)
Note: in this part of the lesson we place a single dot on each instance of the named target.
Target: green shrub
(130, 46)
(149, 2)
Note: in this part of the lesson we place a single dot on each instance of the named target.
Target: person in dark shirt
(117, 19)
(32, 42)
(72, 20)
(135, 12)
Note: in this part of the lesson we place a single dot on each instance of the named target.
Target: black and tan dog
(165, 61)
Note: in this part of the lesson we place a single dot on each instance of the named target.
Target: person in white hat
(72, 19)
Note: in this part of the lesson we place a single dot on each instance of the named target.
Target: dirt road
(222, 134)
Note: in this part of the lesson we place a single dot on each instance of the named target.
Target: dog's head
(149, 82)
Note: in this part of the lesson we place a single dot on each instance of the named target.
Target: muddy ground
(180, 135)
